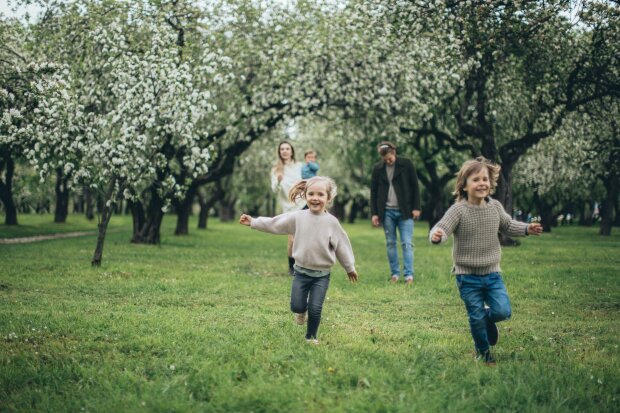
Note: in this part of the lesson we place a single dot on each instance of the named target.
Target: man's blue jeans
(475, 291)
(392, 221)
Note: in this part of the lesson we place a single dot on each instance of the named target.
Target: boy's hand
(245, 219)
(437, 236)
(352, 276)
(534, 229)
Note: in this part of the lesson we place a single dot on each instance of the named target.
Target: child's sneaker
(300, 318)
(312, 341)
(487, 357)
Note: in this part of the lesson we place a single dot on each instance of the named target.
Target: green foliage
(201, 324)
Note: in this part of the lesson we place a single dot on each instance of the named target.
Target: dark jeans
(308, 293)
(475, 291)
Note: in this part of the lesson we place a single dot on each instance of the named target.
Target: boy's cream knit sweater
(475, 228)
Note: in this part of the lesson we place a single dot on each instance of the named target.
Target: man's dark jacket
(405, 181)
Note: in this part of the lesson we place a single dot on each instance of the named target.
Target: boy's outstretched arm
(534, 229)
(245, 220)
(437, 235)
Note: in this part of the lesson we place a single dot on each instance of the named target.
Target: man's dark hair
(386, 147)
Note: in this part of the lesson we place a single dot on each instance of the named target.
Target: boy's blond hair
(298, 191)
(471, 167)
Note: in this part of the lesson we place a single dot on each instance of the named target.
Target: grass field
(201, 324)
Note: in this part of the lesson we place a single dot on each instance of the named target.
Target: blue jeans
(476, 290)
(393, 220)
(308, 293)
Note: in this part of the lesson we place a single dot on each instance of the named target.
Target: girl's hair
(385, 147)
(299, 189)
(278, 166)
(472, 167)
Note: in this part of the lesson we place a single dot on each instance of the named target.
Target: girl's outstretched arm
(245, 219)
(352, 276)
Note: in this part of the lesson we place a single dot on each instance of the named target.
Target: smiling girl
(475, 219)
(319, 242)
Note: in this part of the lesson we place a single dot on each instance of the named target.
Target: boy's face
(311, 157)
(478, 186)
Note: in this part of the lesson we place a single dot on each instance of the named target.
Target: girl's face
(478, 186)
(286, 152)
(317, 197)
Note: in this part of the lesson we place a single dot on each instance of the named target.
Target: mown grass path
(201, 324)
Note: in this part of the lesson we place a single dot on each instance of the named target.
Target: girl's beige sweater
(319, 241)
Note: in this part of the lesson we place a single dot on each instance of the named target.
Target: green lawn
(201, 324)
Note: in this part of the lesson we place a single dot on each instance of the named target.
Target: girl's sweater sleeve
(343, 249)
(280, 224)
(507, 225)
(448, 223)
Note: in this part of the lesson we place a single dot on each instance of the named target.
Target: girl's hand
(352, 276)
(534, 229)
(245, 219)
(437, 236)
(279, 177)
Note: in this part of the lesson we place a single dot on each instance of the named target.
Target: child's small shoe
(312, 341)
(487, 357)
(300, 318)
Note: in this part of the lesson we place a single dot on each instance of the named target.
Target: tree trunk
(103, 226)
(546, 212)
(203, 217)
(150, 232)
(338, 209)
(607, 206)
(90, 205)
(184, 210)
(357, 208)
(137, 216)
(503, 194)
(62, 197)
(227, 210)
(6, 190)
(436, 204)
(78, 203)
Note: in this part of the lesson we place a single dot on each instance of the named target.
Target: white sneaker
(312, 341)
(300, 318)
